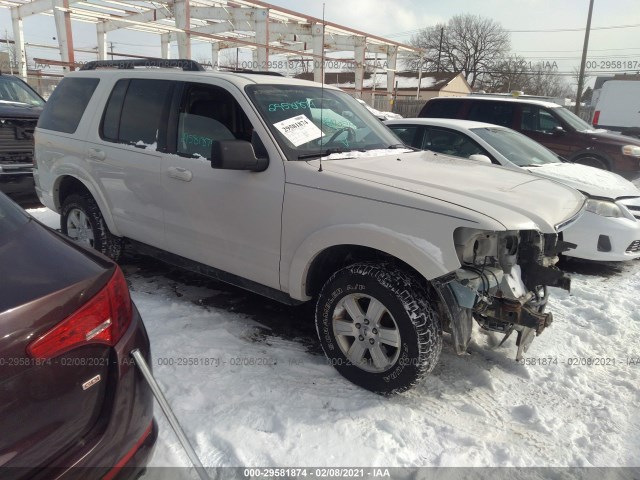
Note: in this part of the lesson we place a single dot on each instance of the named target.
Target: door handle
(96, 154)
(180, 173)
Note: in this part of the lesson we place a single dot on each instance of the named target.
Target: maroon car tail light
(596, 117)
(103, 319)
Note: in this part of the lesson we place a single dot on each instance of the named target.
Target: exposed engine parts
(502, 284)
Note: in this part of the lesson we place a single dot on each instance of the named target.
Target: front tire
(592, 161)
(379, 327)
(82, 221)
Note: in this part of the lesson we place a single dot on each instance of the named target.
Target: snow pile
(403, 82)
(266, 396)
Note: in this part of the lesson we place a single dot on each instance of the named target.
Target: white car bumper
(604, 238)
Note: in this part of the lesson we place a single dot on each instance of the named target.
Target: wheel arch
(70, 183)
(331, 248)
(606, 159)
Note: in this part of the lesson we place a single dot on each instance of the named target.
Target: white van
(618, 107)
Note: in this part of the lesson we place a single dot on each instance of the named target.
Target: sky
(400, 19)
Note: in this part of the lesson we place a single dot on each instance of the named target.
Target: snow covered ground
(262, 393)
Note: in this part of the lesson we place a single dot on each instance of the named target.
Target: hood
(488, 189)
(611, 138)
(19, 110)
(595, 182)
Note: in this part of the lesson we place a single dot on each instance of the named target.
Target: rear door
(227, 219)
(123, 151)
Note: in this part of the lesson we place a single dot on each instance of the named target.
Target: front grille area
(634, 247)
(633, 205)
(635, 211)
(16, 140)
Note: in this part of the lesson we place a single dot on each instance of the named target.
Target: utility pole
(584, 59)
(111, 45)
(440, 48)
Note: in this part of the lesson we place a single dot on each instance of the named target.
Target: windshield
(572, 119)
(13, 90)
(309, 122)
(518, 149)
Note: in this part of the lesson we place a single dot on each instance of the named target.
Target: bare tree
(547, 82)
(466, 43)
(506, 75)
(14, 54)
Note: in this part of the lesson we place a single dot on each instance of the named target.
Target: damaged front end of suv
(501, 284)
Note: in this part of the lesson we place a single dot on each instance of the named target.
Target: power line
(552, 30)
(556, 30)
(591, 50)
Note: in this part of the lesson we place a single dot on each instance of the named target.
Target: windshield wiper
(323, 153)
(402, 145)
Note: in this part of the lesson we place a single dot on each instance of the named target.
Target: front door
(539, 124)
(227, 219)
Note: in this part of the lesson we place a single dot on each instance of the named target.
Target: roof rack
(186, 65)
(253, 72)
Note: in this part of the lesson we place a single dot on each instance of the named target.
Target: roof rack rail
(253, 72)
(186, 65)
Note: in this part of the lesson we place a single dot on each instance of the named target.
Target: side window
(134, 111)
(537, 119)
(409, 134)
(67, 104)
(547, 121)
(497, 113)
(452, 143)
(208, 114)
(112, 113)
(441, 109)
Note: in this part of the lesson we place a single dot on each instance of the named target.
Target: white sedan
(610, 228)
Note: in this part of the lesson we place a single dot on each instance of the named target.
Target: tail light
(596, 117)
(103, 319)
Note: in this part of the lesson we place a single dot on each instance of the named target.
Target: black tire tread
(419, 304)
(104, 241)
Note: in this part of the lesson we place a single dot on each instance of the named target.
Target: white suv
(297, 192)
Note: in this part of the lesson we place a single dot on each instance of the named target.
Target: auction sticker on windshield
(299, 130)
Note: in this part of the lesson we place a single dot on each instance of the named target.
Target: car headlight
(604, 208)
(631, 150)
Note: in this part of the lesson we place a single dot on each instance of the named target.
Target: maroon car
(553, 126)
(70, 394)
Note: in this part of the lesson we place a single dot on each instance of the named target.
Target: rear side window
(498, 113)
(135, 110)
(441, 109)
(67, 104)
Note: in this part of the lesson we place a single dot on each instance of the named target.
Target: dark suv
(20, 107)
(553, 126)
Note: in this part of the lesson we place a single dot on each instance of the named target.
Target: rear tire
(379, 327)
(590, 161)
(82, 221)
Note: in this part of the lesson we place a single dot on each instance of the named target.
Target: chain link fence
(42, 84)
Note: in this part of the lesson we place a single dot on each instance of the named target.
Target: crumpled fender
(429, 260)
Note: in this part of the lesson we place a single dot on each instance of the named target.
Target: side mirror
(236, 155)
(480, 158)
(558, 130)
